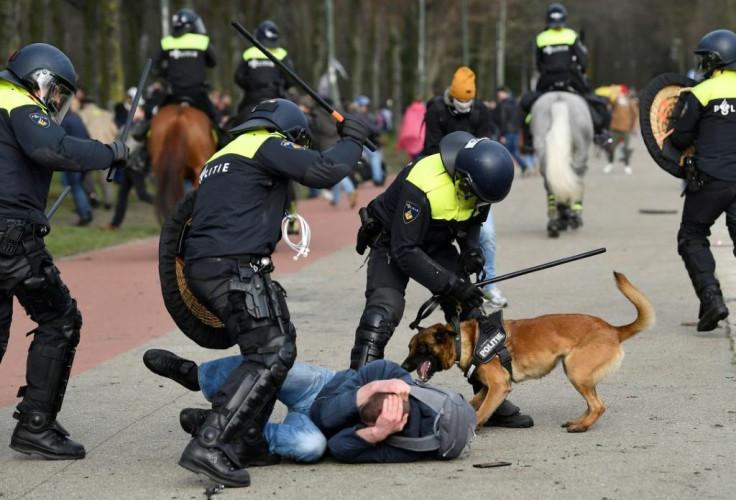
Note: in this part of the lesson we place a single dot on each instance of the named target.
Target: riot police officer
(236, 224)
(36, 91)
(182, 60)
(709, 120)
(257, 75)
(411, 229)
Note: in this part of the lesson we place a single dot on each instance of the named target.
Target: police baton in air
(314, 95)
(58, 201)
(131, 113)
(430, 305)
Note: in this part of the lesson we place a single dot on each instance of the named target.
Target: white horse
(563, 132)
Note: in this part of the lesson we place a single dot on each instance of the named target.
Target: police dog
(589, 348)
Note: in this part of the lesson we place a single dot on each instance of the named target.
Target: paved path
(670, 428)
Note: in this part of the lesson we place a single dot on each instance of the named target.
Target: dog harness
(491, 342)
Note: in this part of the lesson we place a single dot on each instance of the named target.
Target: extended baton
(283, 67)
(58, 201)
(430, 305)
(133, 108)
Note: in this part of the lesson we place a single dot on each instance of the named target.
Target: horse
(181, 142)
(563, 133)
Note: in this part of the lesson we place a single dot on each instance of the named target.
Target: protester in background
(411, 133)
(74, 127)
(375, 158)
(100, 124)
(509, 118)
(624, 119)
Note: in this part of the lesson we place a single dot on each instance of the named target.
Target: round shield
(657, 103)
(195, 320)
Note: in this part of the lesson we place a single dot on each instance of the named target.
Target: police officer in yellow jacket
(183, 58)
(432, 204)
(236, 224)
(561, 58)
(36, 91)
(257, 75)
(709, 120)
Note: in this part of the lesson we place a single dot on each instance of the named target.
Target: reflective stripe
(722, 85)
(246, 144)
(430, 176)
(13, 96)
(556, 37)
(193, 41)
(255, 53)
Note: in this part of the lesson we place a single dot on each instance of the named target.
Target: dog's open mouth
(425, 370)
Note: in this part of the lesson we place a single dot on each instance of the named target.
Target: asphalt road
(670, 427)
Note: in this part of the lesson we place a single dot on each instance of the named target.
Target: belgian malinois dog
(588, 346)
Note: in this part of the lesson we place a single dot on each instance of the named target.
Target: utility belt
(13, 231)
(694, 179)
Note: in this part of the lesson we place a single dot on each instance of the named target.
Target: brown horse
(181, 142)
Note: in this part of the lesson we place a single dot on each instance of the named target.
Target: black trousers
(701, 210)
(30, 275)
(132, 179)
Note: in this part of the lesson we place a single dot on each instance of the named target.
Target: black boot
(205, 454)
(191, 419)
(509, 415)
(255, 454)
(169, 365)
(712, 309)
(38, 433)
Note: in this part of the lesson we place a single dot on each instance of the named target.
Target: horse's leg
(553, 216)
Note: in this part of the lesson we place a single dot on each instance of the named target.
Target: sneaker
(627, 170)
(494, 297)
(608, 168)
(169, 365)
(353, 198)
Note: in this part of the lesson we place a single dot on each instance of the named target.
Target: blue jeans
(297, 437)
(512, 144)
(345, 184)
(81, 201)
(488, 246)
(375, 157)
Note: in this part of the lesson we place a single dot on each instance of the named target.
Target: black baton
(133, 108)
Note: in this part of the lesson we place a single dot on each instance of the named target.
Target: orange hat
(463, 84)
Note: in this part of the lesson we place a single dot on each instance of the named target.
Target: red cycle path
(119, 294)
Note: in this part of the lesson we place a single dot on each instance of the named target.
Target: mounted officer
(182, 60)
(36, 91)
(236, 223)
(412, 229)
(709, 120)
(257, 75)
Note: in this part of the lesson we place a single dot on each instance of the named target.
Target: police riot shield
(661, 99)
(194, 319)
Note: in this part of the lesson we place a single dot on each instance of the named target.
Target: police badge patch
(290, 145)
(40, 119)
(410, 212)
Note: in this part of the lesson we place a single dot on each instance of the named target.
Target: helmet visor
(53, 93)
(467, 192)
(705, 64)
(199, 26)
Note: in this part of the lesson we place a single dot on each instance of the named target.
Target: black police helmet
(484, 169)
(187, 21)
(280, 115)
(268, 34)
(716, 50)
(449, 147)
(25, 61)
(556, 16)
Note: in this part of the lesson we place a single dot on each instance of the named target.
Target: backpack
(454, 426)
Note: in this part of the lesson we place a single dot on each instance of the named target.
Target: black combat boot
(191, 419)
(205, 454)
(254, 453)
(509, 415)
(169, 365)
(712, 309)
(38, 433)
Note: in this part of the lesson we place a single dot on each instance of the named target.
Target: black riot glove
(353, 128)
(120, 153)
(469, 295)
(473, 260)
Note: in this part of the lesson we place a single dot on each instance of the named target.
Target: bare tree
(9, 22)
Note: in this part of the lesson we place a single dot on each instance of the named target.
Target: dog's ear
(442, 335)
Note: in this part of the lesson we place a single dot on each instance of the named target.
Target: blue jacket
(335, 412)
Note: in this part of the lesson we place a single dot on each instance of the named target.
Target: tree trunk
(9, 22)
(115, 78)
(357, 43)
(396, 69)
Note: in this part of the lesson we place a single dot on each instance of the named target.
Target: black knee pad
(44, 296)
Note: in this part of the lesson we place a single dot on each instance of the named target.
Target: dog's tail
(646, 314)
